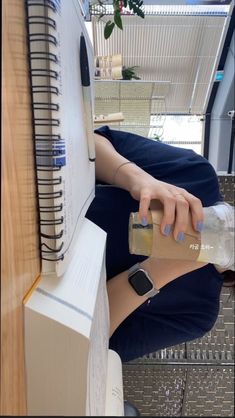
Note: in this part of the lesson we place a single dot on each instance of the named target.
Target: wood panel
(20, 262)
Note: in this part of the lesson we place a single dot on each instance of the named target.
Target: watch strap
(134, 269)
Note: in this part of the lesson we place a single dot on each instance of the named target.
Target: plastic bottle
(217, 236)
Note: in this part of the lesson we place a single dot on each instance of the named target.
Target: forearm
(107, 162)
(123, 300)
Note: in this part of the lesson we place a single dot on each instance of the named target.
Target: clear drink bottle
(216, 239)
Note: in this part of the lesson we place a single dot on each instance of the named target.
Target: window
(179, 130)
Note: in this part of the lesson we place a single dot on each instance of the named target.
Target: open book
(69, 369)
(65, 176)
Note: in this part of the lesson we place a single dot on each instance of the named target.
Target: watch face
(140, 282)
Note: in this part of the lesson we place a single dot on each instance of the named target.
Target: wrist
(151, 266)
(116, 172)
(126, 175)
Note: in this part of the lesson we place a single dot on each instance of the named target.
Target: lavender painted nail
(167, 229)
(144, 221)
(200, 226)
(180, 236)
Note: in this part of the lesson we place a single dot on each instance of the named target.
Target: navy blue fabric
(187, 307)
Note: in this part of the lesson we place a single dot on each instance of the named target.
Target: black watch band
(141, 282)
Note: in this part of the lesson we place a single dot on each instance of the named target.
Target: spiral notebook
(65, 176)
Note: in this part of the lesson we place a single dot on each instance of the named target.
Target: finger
(181, 221)
(196, 209)
(197, 212)
(145, 200)
(168, 218)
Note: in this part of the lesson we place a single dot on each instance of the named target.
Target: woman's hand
(112, 168)
(177, 202)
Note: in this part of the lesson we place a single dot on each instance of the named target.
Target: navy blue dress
(186, 308)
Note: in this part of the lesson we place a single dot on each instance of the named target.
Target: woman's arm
(177, 202)
(107, 162)
(123, 300)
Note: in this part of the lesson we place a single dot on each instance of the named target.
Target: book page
(114, 387)
(79, 178)
(98, 354)
(74, 295)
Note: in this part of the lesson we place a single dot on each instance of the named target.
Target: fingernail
(144, 221)
(167, 229)
(200, 226)
(180, 236)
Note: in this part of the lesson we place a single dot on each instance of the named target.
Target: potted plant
(120, 7)
(128, 73)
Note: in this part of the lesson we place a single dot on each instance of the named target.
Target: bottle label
(167, 247)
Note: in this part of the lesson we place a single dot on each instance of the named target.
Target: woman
(132, 172)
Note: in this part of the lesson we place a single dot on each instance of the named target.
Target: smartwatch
(141, 282)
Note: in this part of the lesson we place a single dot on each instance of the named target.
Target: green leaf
(125, 3)
(108, 29)
(140, 13)
(135, 10)
(118, 19)
(130, 4)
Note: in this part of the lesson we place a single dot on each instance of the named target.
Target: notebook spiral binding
(50, 157)
(42, 20)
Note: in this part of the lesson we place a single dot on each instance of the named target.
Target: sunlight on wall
(89, 30)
